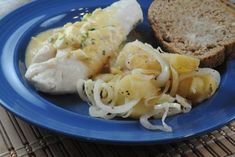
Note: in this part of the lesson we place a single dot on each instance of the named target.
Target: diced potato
(198, 88)
(210, 85)
(152, 101)
(144, 61)
(140, 109)
(184, 87)
(120, 100)
(182, 63)
(197, 85)
(135, 87)
(136, 57)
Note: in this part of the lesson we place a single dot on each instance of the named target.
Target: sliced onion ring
(174, 108)
(111, 109)
(94, 111)
(165, 68)
(141, 72)
(186, 105)
(110, 92)
(89, 85)
(167, 86)
(146, 124)
(80, 86)
(201, 72)
(175, 82)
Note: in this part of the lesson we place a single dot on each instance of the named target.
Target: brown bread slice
(204, 29)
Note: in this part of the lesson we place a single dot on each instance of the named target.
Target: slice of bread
(204, 29)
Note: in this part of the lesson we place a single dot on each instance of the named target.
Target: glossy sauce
(34, 44)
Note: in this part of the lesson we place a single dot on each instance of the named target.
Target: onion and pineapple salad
(144, 82)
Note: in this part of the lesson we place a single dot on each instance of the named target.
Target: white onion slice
(146, 101)
(201, 72)
(141, 72)
(175, 82)
(111, 109)
(166, 87)
(94, 111)
(165, 68)
(89, 85)
(167, 127)
(166, 98)
(174, 108)
(127, 114)
(145, 122)
(165, 74)
(213, 73)
(110, 92)
(186, 105)
(169, 109)
(81, 92)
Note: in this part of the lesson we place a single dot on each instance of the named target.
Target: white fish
(56, 75)
(46, 52)
(59, 74)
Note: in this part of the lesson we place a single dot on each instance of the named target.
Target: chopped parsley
(103, 52)
(92, 29)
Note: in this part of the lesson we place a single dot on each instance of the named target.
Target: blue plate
(68, 114)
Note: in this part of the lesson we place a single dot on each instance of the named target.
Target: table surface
(17, 138)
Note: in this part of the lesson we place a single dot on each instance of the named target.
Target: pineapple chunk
(182, 63)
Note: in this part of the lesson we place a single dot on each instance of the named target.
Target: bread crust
(212, 58)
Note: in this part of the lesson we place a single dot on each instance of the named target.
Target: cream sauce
(34, 45)
(36, 42)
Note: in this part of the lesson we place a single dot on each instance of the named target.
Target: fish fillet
(99, 37)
